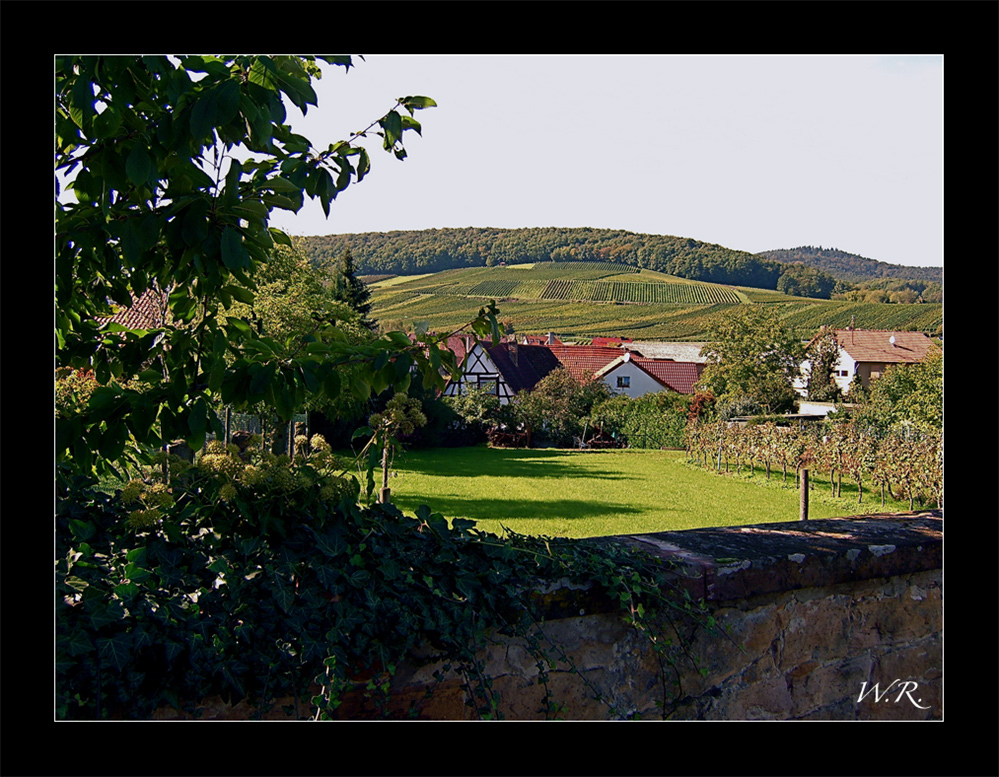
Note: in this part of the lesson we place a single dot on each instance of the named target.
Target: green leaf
(240, 326)
(234, 255)
(243, 295)
(416, 103)
(331, 384)
(261, 378)
(359, 387)
(82, 530)
(106, 123)
(77, 643)
(138, 166)
(227, 101)
(104, 613)
(283, 185)
(279, 237)
(117, 650)
(197, 420)
(391, 125)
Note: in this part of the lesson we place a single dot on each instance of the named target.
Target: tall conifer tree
(349, 289)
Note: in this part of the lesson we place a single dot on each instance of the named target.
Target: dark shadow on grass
(504, 462)
(507, 509)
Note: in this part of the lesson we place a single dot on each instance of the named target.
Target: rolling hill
(581, 300)
(851, 267)
(435, 250)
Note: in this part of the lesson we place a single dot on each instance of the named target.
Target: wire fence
(272, 434)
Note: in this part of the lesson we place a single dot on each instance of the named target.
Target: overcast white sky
(749, 152)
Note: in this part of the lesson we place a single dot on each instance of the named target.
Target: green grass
(601, 493)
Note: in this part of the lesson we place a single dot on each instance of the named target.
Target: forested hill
(434, 250)
(850, 267)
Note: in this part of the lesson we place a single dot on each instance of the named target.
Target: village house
(635, 375)
(506, 368)
(549, 339)
(864, 355)
(146, 312)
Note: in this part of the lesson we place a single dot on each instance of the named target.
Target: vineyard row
(906, 465)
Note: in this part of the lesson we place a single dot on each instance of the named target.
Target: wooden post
(804, 494)
(384, 494)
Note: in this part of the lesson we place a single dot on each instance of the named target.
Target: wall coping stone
(737, 562)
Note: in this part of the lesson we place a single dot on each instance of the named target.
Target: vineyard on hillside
(639, 293)
(575, 281)
(589, 299)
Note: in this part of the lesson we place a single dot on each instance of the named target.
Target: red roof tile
(869, 345)
(583, 361)
(146, 312)
(679, 376)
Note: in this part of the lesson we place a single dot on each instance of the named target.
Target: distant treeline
(805, 271)
(850, 267)
(435, 250)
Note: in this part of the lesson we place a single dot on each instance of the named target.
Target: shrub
(255, 581)
(655, 420)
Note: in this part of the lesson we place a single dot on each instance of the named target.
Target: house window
(624, 381)
(490, 385)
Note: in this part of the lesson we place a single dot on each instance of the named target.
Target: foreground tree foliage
(243, 573)
(906, 395)
(175, 166)
(753, 359)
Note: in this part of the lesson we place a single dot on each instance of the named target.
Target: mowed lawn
(593, 493)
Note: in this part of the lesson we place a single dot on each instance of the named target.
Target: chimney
(551, 338)
(513, 354)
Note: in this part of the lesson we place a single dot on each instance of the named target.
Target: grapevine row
(905, 465)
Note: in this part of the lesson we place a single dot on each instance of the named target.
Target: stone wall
(835, 619)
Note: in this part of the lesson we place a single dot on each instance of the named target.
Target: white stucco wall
(641, 381)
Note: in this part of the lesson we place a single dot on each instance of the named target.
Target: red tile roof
(583, 361)
(609, 340)
(523, 366)
(540, 340)
(870, 345)
(146, 312)
(679, 376)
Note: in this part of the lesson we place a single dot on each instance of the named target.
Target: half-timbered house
(503, 369)
(508, 367)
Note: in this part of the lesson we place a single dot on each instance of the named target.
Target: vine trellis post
(803, 512)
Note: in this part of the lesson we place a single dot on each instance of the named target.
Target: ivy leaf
(117, 650)
(77, 643)
(284, 593)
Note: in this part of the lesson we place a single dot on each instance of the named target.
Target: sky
(749, 152)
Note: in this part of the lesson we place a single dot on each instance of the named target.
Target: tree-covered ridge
(435, 250)
(850, 267)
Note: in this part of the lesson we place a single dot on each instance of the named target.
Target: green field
(599, 493)
(581, 300)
